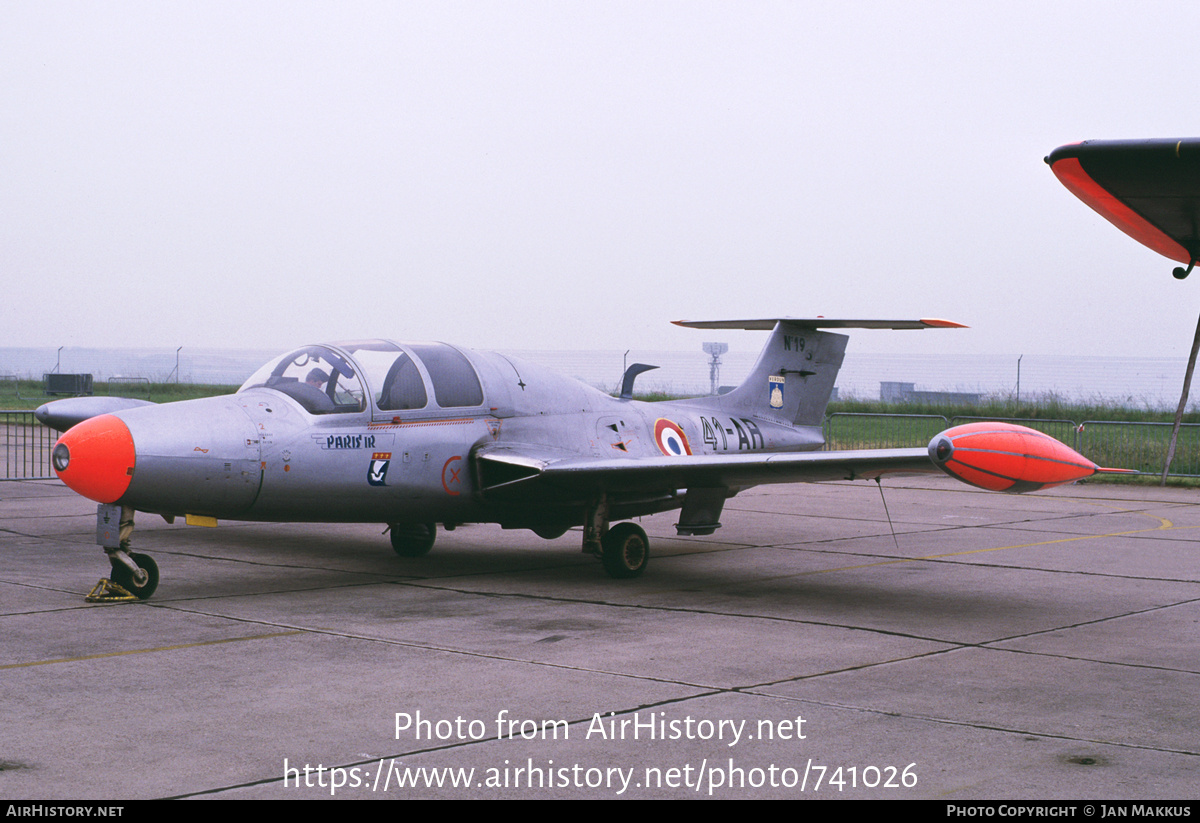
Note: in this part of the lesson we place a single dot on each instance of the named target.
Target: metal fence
(1141, 446)
(25, 445)
(860, 430)
(10, 386)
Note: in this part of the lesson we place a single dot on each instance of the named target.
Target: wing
(1149, 189)
(992, 456)
(509, 469)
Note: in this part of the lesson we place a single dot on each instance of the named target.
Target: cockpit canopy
(351, 377)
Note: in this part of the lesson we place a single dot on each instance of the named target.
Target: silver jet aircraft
(412, 435)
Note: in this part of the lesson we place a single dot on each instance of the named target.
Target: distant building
(894, 392)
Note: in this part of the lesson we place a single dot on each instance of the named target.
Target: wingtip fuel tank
(1005, 457)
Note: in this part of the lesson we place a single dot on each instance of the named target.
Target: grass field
(1043, 408)
(28, 394)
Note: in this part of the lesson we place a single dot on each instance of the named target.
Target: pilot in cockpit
(317, 379)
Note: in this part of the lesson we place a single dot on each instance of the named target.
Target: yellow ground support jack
(107, 591)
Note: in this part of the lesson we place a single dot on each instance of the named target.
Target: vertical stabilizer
(794, 377)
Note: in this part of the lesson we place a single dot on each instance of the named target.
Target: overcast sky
(562, 175)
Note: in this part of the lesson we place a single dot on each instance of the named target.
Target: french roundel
(670, 438)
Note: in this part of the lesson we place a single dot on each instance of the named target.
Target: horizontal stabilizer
(793, 379)
(768, 323)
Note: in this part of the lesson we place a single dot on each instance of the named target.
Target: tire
(550, 532)
(626, 550)
(122, 576)
(413, 539)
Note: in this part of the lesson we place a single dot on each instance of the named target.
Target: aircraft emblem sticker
(775, 391)
(452, 475)
(377, 471)
(670, 438)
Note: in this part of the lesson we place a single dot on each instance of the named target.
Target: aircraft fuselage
(265, 454)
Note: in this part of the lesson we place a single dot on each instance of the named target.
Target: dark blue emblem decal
(377, 471)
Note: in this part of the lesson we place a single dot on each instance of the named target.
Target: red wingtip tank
(1003, 457)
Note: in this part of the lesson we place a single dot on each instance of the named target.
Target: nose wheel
(141, 583)
(133, 577)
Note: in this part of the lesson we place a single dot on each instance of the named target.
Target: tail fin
(794, 377)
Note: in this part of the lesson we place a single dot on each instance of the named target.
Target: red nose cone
(1007, 458)
(96, 458)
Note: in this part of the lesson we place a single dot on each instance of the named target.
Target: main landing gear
(134, 576)
(624, 549)
(412, 539)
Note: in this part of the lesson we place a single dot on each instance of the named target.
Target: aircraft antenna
(879, 483)
(714, 366)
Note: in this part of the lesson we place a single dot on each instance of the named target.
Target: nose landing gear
(134, 576)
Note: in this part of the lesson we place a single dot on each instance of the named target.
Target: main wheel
(547, 532)
(122, 576)
(626, 550)
(413, 539)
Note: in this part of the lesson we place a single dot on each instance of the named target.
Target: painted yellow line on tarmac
(148, 651)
